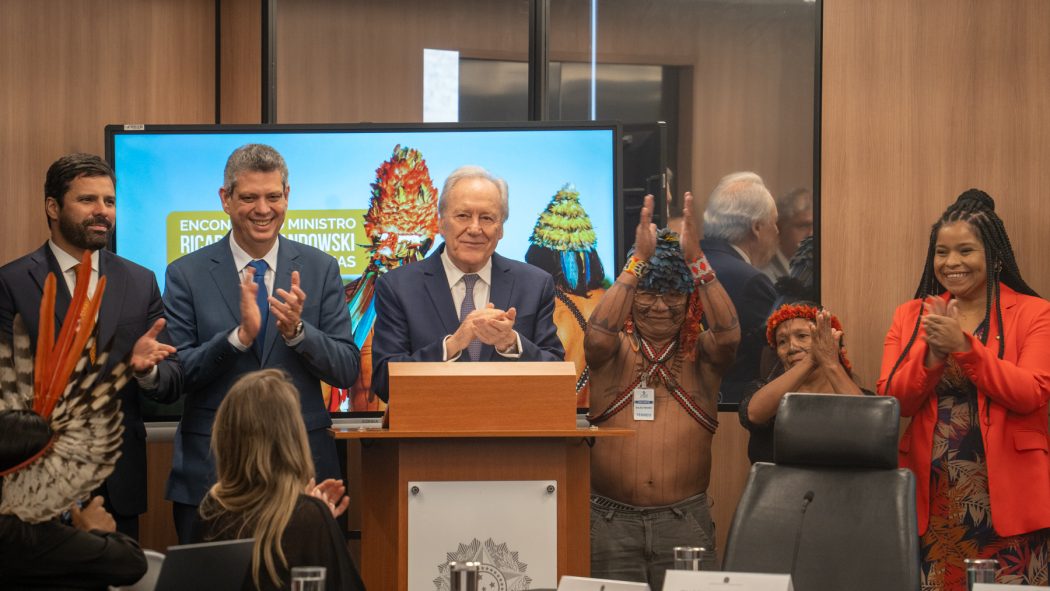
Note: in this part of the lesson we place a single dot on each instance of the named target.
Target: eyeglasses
(647, 299)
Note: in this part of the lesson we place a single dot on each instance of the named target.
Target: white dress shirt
(482, 288)
(242, 261)
(68, 262)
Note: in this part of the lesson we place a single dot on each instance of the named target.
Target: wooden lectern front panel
(389, 465)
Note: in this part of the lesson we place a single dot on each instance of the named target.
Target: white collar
(67, 261)
(747, 259)
(241, 258)
(453, 274)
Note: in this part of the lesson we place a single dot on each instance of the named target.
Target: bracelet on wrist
(702, 271)
(636, 266)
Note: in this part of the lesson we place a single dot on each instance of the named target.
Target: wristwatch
(298, 331)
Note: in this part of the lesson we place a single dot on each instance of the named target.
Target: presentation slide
(368, 196)
(168, 185)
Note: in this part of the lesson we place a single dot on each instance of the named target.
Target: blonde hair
(263, 463)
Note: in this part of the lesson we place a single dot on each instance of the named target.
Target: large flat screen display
(563, 181)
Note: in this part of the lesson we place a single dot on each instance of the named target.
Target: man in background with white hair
(740, 237)
(794, 222)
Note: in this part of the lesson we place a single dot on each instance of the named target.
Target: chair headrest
(837, 430)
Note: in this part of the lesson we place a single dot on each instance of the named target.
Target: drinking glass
(463, 576)
(980, 570)
(689, 557)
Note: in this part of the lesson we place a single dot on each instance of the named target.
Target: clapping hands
(148, 351)
(645, 233)
(489, 325)
(944, 334)
(332, 492)
(827, 341)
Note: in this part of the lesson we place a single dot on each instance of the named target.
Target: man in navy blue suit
(80, 205)
(740, 237)
(464, 302)
(249, 301)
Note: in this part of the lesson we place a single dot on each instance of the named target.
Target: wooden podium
(473, 422)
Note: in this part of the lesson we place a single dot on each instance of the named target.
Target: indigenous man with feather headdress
(654, 369)
(61, 422)
(80, 206)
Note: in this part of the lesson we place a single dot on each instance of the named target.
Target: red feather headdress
(791, 311)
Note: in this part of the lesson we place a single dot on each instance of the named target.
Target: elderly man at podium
(654, 369)
(464, 302)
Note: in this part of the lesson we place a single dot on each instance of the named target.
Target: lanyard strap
(658, 367)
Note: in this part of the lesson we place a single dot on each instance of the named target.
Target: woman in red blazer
(969, 361)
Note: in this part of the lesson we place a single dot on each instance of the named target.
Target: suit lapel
(436, 284)
(113, 298)
(287, 261)
(224, 274)
(1007, 300)
(499, 294)
(47, 263)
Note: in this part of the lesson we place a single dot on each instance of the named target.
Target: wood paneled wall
(922, 100)
(240, 61)
(70, 67)
(749, 67)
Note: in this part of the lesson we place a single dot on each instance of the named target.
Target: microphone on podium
(806, 500)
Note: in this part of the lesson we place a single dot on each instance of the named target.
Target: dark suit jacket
(202, 301)
(415, 312)
(55, 556)
(752, 294)
(130, 305)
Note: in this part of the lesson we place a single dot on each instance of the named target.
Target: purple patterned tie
(474, 348)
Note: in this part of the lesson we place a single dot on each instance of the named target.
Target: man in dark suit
(79, 202)
(464, 302)
(740, 237)
(249, 301)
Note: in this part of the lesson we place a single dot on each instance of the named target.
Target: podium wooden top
(519, 369)
(346, 433)
(507, 396)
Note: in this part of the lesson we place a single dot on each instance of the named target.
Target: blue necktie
(261, 298)
(474, 348)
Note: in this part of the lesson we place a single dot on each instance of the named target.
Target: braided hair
(976, 208)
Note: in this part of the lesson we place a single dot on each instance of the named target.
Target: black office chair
(834, 511)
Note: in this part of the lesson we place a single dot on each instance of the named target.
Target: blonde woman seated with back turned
(265, 488)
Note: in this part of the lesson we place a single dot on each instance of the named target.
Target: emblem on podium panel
(500, 568)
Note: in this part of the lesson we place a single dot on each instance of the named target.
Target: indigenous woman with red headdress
(808, 344)
(969, 361)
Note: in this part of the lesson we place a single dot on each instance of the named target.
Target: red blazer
(1012, 395)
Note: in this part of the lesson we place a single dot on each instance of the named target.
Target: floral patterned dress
(960, 509)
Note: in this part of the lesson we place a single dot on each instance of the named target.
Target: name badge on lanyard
(644, 403)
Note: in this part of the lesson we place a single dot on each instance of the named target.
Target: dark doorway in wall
(642, 97)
